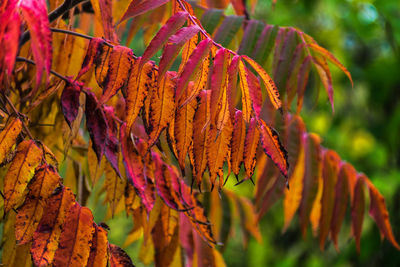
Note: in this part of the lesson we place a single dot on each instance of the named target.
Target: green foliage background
(364, 130)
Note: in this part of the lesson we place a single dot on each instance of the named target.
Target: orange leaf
(139, 85)
(47, 234)
(20, 172)
(328, 55)
(29, 215)
(200, 136)
(218, 150)
(75, 240)
(98, 250)
(357, 209)
(120, 63)
(118, 257)
(162, 106)
(8, 136)
(244, 86)
(250, 148)
(114, 187)
(183, 131)
(378, 211)
(330, 171)
(272, 91)
(273, 147)
(101, 63)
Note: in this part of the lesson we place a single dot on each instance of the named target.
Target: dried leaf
(8, 136)
(20, 172)
(92, 53)
(118, 257)
(120, 63)
(273, 147)
(47, 234)
(30, 213)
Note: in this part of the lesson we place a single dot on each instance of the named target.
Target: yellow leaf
(8, 137)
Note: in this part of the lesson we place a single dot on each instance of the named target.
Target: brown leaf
(98, 256)
(120, 63)
(47, 234)
(119, 258)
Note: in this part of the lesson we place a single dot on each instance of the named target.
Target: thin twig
(77, 34)
(22, 59)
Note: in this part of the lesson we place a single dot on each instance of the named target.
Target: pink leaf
(138, 7)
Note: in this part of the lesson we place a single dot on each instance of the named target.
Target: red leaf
(357, 210)
(135, 169)
(112, 144)
(9, 39)
(138, 7)
(175, 43)
(341, 200)
(311, 178)
(379, 213)
(232, 85)
(237, 144)
(35, 14)
(191, 66)
(330, 171)
(218, 82)
(169, 28)
(273, 147)
(255, 92)
(92, 53)
(96, 124)
(70, 101)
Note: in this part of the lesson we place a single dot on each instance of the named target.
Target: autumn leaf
(92, 54)
(245, 88)
(96, 124)
(273, 147)
(134, 168)
(330, 170)
(30, 213)
(162, 106)
(8, 137)
(112, 143)
(74, 243)
(70, 101)
(195, 60)
(47, 234)
(140, 82)
(114, 187)
(118, 257)
(250, 148)
(99, 248)
(357, 210)
(28, 157)
(237, 143)
(272, 91)
(35, 14)
(138, 7)
(120, 63)
(170, 27)
(200, 136)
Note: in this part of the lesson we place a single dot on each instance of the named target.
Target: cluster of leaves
(208, 118)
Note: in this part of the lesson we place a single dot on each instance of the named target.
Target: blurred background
(364, 130)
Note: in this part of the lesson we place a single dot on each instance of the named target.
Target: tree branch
(56, 13)
(22, 59)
